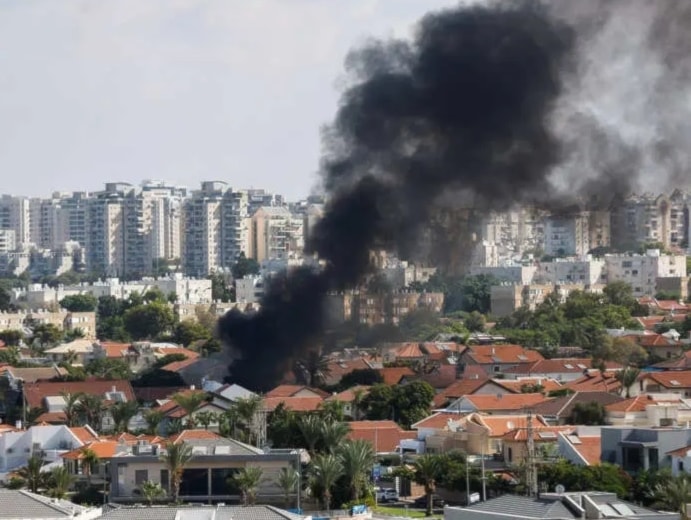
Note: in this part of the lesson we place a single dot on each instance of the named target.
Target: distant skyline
(95, 91)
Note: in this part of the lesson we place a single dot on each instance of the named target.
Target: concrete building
(275, 233)
(8, 240)
(215, 228)
(15, 216)
(586, 270)
(642, 271)
(636, 449)
(249, 289)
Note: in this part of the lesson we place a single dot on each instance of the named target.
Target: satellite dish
(560, 489)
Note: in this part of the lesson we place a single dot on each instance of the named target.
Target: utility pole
(531, 469)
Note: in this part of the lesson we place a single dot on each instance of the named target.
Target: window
(141, 476)
(221, 483)
(165, 479)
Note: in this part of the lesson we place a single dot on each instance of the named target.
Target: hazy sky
(180, 90)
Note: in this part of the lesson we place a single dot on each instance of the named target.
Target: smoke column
(488, 106)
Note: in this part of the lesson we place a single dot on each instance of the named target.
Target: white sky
(179, 90)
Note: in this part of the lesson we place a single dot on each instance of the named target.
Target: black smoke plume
(474, 114)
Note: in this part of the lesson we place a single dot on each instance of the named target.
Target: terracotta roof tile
(385, 436)
(52, 418)
(36, 392)
(670, 379)
(505, 402)
(680, 452)
(348, 396)
(297, 404)
(291, 390)
(114, 349)
(588, 446)
(103, 448)
(540, 433)
(516, 385)
(189, 354)
(500, 425)
(595, 381)
(437, 421)
(457, 389)
(562, 406)
(84, 434)
(559, 366)
(492, 354)
(338, 369)
(149, 394)
(393, 375)
(189, 435)
(177, 366)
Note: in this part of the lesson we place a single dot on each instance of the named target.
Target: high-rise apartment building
(577, 233)
(215, 228)
(275, 234)
(16, 216)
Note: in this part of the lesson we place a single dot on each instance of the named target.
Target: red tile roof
(649, 322)
(589, 447)
(670, 379)
(437, 421)
(177, 366)
(595, 381)
(516, 385)
(291, 390)
(104, 449)
(84, 434)
(458, 389)
(36, 392)
(385, 436)
(348, 396)
(149, 394)
(114, 349)
(516, 402)
(297, 404)
(393, 375)
(560, 366)
(339, 368)
(680, 452)
(500, 425)
(189, 354)
(196, 435)
(408, 351)
(540, 433)
(493, 354)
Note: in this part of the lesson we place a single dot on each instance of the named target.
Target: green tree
(47, 334)
(331, 435)
(6, 300)
(151, 491)
(360, 376)
(244, 266)
(90, 409)
(357, 459)
(190, 402)
(248, 410)
(590, 414)
(153, 419)
(71, 408)
(220, 288)
(154, 295)
(108, 368)
(311, 427)
(427, 471)
(475, 322)
(248, 480)
(288, 480)
(619, 293)
(60, 480)
(176, 458)
(332, 410)
(123, 413)
(32, 473)
(149, 321)
(325, 471)
(79, 303)
(11, 337)
(89, 461)
(674, 495)
(412, 402)
(313, 367)
(378, 402)
(205, 418)
(187, 332)
(627, 378)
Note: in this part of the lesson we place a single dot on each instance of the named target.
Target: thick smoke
(487, 107)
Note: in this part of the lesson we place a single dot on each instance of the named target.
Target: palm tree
(153, 419)
(674, 494)
(176, 458)
(227, 422)
(31, 473)
(69, 357)
(248, 410)
(205, 418)
(174, 426)
(71, 409)
(332, 434)
(151, 491)
(325, 471)
(332, 410)
(32, 414)
(248, 480)
(427, 470)
(315, 367)
(288, 480)
(359, 395)
(89, 460)
(627, 378)
(357, 458)
(122, 414)
(60, 481)
(90, 408)
(189, 402)
(310, 427)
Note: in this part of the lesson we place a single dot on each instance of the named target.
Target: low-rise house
(582, 446)
(650, 410)
(597, 381)
(682, 362)
(50, 396)
(558, 411)
(50, 442)
(561, 369)
(670, 382)
(384, 436)
(497, 359)
(518, 386)
(351, 399)
(583, 505)
(458, 389)
(23, 505)
(190, 512)
(496, 404)
(515, 443)
(172, 411)
(77, 352)
(205, 477)
(336, 369)
(395, 375)
(636, 449)
(681, 461)
(661, 346)
(299, 398)
(226, 396)
(16, 377)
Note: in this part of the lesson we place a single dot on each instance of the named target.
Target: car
(387, 495)
(421, 502)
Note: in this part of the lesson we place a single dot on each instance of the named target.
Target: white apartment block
(522, 274)
(215, 228)
(588, 271)
(249, 289)
(8, 241)
(642, 271)
(15, 216)
(576, 234)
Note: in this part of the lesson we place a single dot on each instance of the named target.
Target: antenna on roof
(531, 469)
